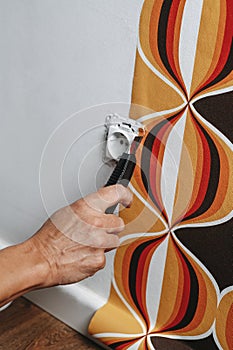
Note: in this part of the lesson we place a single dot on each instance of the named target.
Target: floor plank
(24, 325)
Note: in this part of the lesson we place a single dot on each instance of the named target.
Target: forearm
(21, 270)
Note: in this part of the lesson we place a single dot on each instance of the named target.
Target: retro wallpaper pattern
(173, 273)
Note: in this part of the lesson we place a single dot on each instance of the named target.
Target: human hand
(69, 247)
(73, 241)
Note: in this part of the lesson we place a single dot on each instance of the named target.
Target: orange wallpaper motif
(183, 179)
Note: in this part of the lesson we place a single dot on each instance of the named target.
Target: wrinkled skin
(68, 248)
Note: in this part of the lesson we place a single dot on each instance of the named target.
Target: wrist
(36, 268)
(22, 269)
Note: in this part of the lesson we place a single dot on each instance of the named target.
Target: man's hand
(74, 240)
(69, 247)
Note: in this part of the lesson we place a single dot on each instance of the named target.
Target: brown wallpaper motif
(173, 284)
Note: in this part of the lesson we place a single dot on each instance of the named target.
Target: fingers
(99, 240)
(85, 221)
(109, 223)
(106, 241)
(109, 196)
(113, 223)
(94, 261)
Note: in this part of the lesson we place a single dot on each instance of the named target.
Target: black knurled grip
(121, 174)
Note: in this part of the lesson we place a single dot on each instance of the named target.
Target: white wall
(56, 58)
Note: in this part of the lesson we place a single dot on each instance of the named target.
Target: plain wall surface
(57, 57)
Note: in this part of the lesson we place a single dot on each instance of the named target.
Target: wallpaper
(172, 286)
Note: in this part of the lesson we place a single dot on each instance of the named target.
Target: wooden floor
(25, 326)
